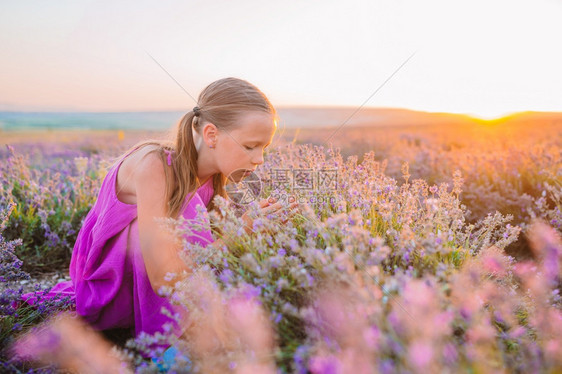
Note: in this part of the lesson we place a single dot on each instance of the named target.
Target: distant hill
(336, 116)
(291, 117)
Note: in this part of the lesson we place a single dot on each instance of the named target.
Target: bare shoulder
(141, 168)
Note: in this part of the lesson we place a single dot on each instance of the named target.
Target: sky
(485, 58)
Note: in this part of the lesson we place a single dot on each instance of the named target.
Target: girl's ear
(210, 133)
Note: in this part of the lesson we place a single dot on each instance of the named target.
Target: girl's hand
(267, 207)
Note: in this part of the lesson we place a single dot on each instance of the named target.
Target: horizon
(290, 117)
(288, 107)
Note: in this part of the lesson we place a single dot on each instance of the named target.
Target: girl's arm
(160, 248)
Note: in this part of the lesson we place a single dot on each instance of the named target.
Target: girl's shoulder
(144, 162)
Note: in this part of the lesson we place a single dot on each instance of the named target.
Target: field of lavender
(434, 250)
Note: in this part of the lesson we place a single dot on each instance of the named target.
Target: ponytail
(185, 165)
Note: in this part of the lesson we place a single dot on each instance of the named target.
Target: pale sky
(480, 57)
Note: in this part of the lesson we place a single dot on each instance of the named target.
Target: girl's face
(241, 149)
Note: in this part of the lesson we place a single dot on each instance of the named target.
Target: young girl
(121, 255)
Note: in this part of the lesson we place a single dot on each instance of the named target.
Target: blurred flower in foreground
(226, 332)
(345, 343)
(547, 248)
(70, 344)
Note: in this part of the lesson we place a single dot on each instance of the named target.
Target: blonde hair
(221, 103)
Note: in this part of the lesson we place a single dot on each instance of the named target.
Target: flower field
(415, 250)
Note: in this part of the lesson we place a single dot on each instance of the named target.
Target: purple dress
(108, 277)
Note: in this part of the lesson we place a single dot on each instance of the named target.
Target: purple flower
(387, 367)
(450, 354)
(299, 359)
(325, 365)
(38, 342)
(250, 291)
(420, 354)
(226, 276)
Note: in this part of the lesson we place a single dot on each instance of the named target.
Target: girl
(121, 256)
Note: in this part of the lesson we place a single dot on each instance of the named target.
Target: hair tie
(196, 111)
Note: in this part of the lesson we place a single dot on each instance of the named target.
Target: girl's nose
(258, 160)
